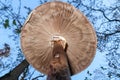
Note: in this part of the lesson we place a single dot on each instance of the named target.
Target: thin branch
(19, 8)
(10, 13)
(103, 12)
(38, 77)
(109, 34)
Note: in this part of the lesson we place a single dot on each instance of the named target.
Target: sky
(8, 36)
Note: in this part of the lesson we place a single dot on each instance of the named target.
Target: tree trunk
(15, 73)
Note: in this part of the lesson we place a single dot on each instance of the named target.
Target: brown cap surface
(58, 19)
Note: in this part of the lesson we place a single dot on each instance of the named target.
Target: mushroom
(58, 21)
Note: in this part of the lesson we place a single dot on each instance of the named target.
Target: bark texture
(15, 73)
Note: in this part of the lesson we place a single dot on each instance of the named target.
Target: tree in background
(105, 17)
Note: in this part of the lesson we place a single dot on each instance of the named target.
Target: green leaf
(14, 22)
(17, 31)
(6, 23)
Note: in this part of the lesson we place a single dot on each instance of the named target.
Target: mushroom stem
(60, 40)
(59, 68)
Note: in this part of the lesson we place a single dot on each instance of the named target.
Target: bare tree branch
(38, 77)
(15, 73)
(103, 12)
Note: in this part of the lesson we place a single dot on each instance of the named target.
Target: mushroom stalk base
(58, 68)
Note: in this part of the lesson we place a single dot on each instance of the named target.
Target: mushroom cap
(58, 19)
